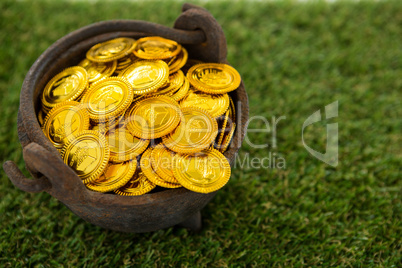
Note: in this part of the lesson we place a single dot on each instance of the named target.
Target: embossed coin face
(146, 167)
(65, 86)
(214, 78)
(196, 132)
(161, 159)
(115, 176)
(137, 185)
(203, 172)
(155, 47)
(65, 120)
(216, 105)
(111, 50)
(153, 117)
(146, 76)
(87, 154)
(98, 70)
(124, 146)
(108, 98)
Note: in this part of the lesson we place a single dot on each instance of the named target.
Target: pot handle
(53, 175)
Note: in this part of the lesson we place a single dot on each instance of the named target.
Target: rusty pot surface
(198, 31)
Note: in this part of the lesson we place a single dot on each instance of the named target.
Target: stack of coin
(136, 114)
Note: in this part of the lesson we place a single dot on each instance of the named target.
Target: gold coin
(41, 117)
(216, 105)
(174, 83)
(161, 160)
(147, 169)
(65, 86)
(115, 176)
(214, 78)
(182, 92)
(98, 70)
(108, 98)
(64, 121)
(228, 138)
(177, 62)
(137, 185)
(105, 126)
(124, 146)
(155, 47)
(123, 63)
(146, 76)
(203, 172)
(87, 154)
(196, 132)
(232, 110)
(111, 50)
(224, 121)
(153, 117)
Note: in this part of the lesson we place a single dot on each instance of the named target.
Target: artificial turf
(294, 58)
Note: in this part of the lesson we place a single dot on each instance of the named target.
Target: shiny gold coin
(41, 117)
(155, 47)
(137, 185)
(224, 119)
(106, 126)
(161, 160)
(214, 78)
(216, 105)
(227, 139)
(182, 91)
(203, 172)
(123, 63)
(178, 61)
(108, 98)
(174, 83)
(98, 70)
(65, 86)
(153, 117)
(87, 154)
(64, 121)
(124, 146)
(196, 132)
(111, 50)
(115, 176)
(146, 76)
(146, 167)
(232, 110)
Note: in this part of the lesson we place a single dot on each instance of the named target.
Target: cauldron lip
(42, 68)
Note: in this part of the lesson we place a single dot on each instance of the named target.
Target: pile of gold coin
(136, 114)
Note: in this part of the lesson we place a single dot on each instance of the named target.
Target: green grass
(294, 58)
